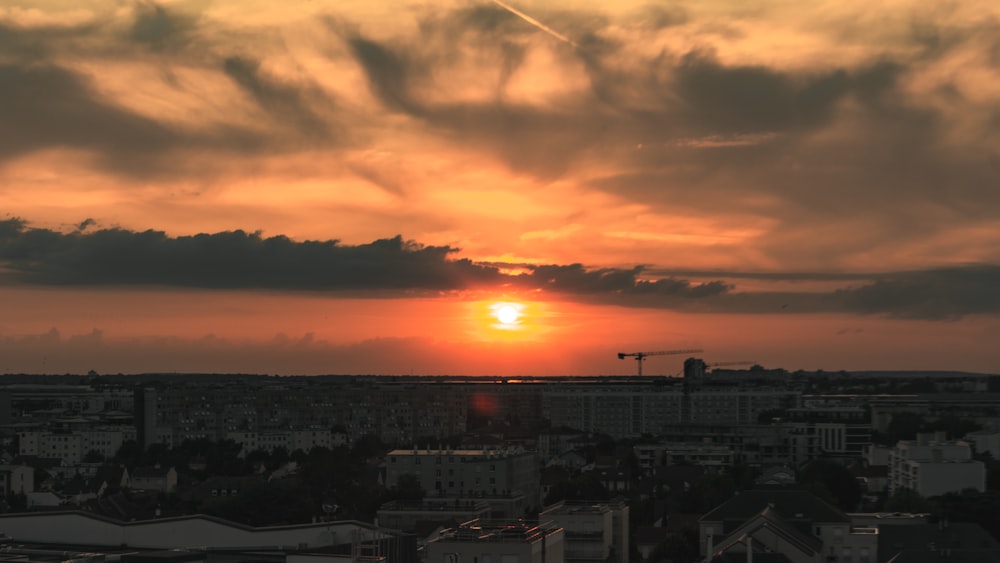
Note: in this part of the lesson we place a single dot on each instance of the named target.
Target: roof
(757, 557)
(960, 537)
(789, 503)
(486, 452)
(150, 472)
(112, 474)
(769, 519)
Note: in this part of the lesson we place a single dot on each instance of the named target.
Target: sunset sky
(358, 186)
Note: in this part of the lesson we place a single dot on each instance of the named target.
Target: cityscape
(725, 463)
(499, 281)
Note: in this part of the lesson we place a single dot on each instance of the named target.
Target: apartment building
(932, 466)
(72, 446)
(507, 478)
(631, 410)
(297, 415)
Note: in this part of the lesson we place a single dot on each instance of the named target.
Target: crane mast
(640, 356)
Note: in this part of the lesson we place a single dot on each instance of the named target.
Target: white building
(16, 479)
(931, 466)
(986, 441)
(72, 447)
(594, 531)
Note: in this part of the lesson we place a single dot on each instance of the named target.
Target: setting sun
(507, 314)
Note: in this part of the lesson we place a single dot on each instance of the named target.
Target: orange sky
(803, 186)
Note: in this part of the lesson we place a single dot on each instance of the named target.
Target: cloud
(944, 293)
(870, 143)
(287, 104)
(47, 106)
(242, 260)
(160, 29)
(234, 259)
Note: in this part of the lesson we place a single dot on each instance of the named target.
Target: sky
(360, 187)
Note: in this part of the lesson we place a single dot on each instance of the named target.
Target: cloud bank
(248, 260)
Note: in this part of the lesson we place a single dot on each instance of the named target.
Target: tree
(93, 456)
(408, 488)
(583, 487)
(708, 493)
(129, 453)
(905, 500)
(840, 487)
(904, 426)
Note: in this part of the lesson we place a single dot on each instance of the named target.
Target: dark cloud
(945, 293)
(228, 260)
(809, 150)
(236, 259)
(287, 104)
(719, 98)
(45, 106)
(575, 278)
(389, 74)
(160, 29)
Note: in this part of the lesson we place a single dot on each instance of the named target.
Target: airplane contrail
(536, 23)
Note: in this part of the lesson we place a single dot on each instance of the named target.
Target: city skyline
(487, 187)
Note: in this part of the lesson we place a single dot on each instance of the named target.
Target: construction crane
(640, 356)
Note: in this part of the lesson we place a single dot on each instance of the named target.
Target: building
(506, 478)
(498, 542)
(594, 531)
(72, 446)
(932, 466)
(423, 516)
(200, 532)
(795, 524)
(16, 479)
(162, 479)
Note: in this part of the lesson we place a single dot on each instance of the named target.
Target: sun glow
(508, 315)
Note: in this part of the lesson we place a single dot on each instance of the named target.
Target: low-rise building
(594, 531)
(16, 479)
(796, 524)
(422, 516)
(499, 542)
(163, 479)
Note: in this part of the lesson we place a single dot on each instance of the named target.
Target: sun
(507, 314)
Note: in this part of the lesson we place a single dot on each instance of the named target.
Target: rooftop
(499, 531)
